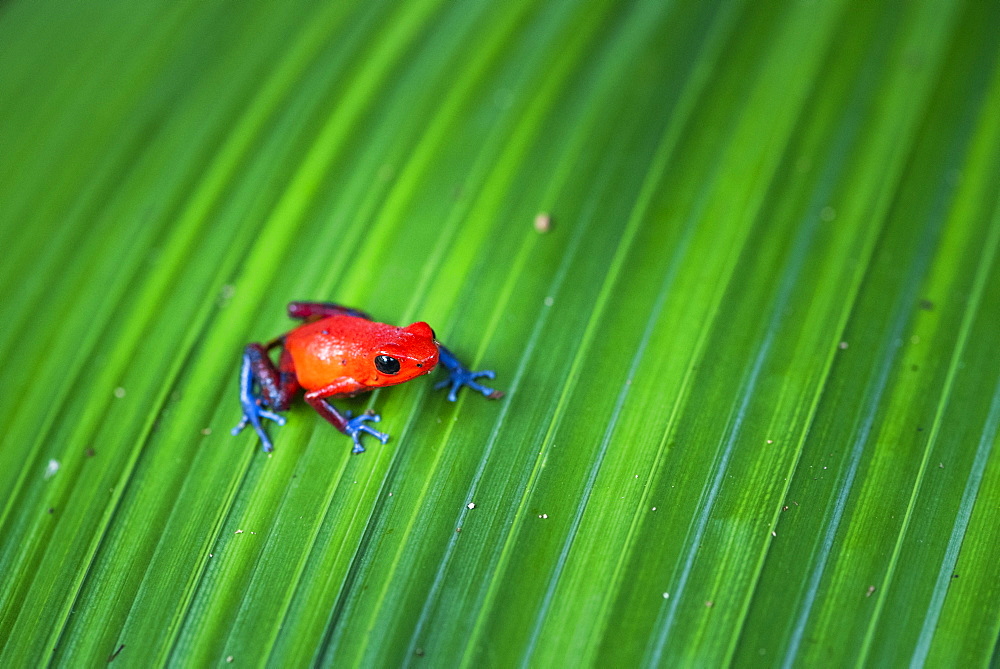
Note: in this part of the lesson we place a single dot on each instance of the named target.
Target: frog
(337, 352)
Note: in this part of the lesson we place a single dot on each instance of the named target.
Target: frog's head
(407, 355)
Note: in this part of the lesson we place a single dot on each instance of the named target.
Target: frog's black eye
(386, 364)
(433, 336)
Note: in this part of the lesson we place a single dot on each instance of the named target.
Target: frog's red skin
(332, 357)
(336, 353)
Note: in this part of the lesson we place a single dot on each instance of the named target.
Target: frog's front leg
(352, 427)
(459, 375)
(277, 386)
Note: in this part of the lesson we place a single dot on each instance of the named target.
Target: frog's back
(334, 347)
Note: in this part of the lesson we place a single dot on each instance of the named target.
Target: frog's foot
(463, 377)
(253, 409)
(252, 415)
(356, 425)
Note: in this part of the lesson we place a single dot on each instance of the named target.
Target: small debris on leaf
(543, 222)
(51, 468)
(115, 654)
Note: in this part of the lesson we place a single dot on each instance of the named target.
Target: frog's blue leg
(352, 427)
(459, 376)
(277, 388)
(356, 424)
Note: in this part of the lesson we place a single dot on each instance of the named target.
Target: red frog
(340, 352)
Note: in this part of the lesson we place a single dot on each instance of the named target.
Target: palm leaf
(752, 391)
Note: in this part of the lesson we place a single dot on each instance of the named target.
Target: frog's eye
(386, 364)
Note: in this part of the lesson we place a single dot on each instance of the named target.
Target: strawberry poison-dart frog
(340, 352)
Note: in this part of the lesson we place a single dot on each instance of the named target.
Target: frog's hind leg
(277, 387)
(313, 311)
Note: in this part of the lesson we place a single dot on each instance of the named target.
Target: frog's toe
(355, 426)
(252, 415)
(270, 415)
(487, 392)
(239, 427)
(462, 377)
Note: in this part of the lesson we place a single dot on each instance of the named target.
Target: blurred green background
(751, 372)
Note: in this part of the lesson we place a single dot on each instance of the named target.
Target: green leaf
(751, 386)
